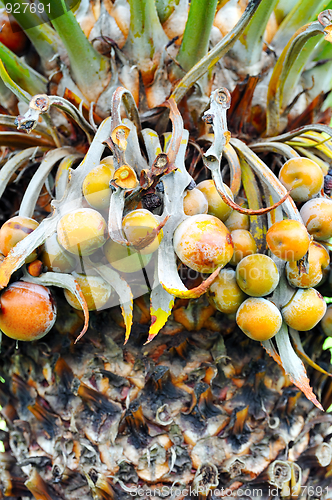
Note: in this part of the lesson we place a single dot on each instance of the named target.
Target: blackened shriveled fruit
(151, 201)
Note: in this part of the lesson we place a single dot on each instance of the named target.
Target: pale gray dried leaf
(15, 162)
(293, 366)
(32, 192)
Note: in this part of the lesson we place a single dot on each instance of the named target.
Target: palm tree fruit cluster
(166, 226)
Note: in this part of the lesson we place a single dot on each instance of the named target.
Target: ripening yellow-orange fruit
(195, 202)
(318, 260)
(13, 231)
(139, 224)
(288, 239)
(257, 275)
(224, 293)
(27, 311)
(317, 217)
(244, 244)
(96, 185)
(305, 309)
(258, 318)
(56, 258)
(237, 221)
(303, 177)
(82, 231)
(216, 205)
(203, 243)
(125, 259)
(95, 289)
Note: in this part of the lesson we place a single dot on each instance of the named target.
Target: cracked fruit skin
(224, 293)
(96, 186)
(95, 289)
(138, 224)
(317, 217)
(319, 260)
(303, 177)
(27, 311)
(82, 231)
(288, 239)
(305, 309)
(203, 243)
(56, 258)
(216, 205)
(244, 244)
(14, 230)
(125, 259)
(257, 275)
(259, 318)
(195, 202)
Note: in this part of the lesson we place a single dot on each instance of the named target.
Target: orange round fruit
(27, 311)
(11, 34)
(259, 318)
(288, 239)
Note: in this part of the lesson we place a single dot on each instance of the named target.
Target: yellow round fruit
(195, 202)
(125, 259)
(319, 260)
(237, 221)
(138, 224)
(203, 243)
(216, 205)
(244, 244)
(95, 289)
(317, 217)
(96, 186)
(259, 318)
(224, 293)
(257, 275)
(13, 231)
(82, 231)
(303, 177)
(305, 309)
(56, 258)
